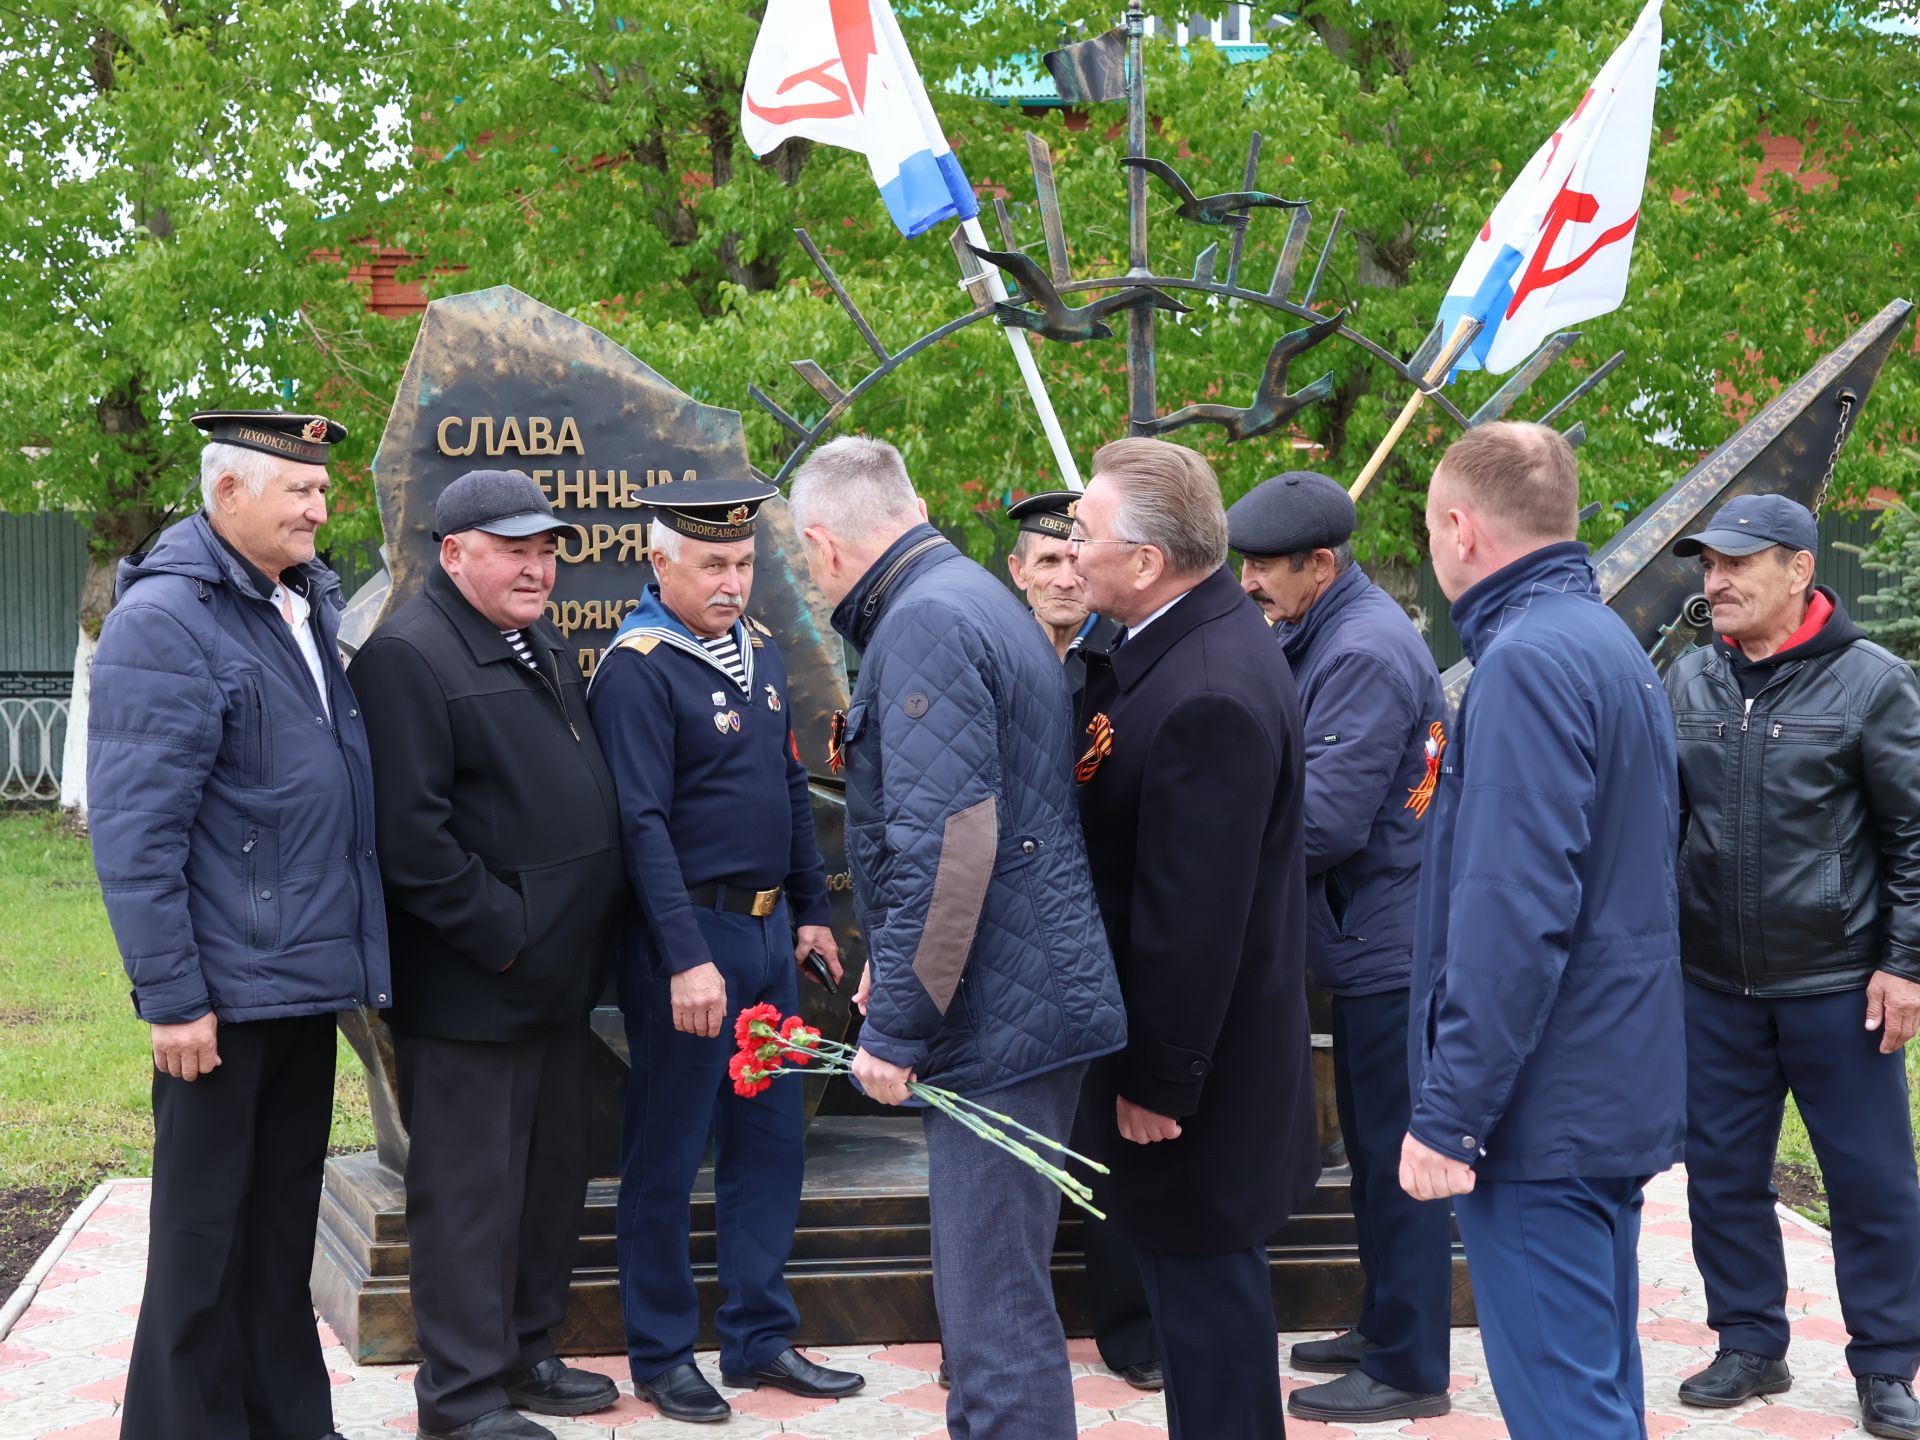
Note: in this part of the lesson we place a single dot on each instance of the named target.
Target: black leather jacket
(1800, 814)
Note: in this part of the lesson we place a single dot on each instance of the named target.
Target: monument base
(860, 1271)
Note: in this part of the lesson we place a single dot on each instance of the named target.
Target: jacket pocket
(260, 873)
(249, 739)
(572, 914)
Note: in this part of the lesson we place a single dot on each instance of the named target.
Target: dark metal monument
(497, 379)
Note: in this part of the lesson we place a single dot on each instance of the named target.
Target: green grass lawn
(75, 1067)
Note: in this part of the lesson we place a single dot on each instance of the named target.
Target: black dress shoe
(1734, 1376)
(554, 1388)
(1358, 1398)
(683, 1393)
(1142, 1377)
(1887, 1406)
(945, 1376)
(793, 1372)
(501, 1424)
(1331, 1357)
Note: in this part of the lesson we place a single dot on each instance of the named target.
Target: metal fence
(35, 730)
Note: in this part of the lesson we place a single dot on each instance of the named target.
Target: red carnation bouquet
(769, 1043)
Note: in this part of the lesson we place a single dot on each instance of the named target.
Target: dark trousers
(1406, 1245)
(1556, 1277)
(1213, 1316)
(1116, 1299)
(993, 1224)
(226, 1347)
(679, 1095)
(1743, 1056)
(496, 1177)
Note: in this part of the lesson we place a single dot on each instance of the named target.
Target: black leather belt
(734, 899)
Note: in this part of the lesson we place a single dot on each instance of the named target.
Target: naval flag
(1556, 250)
(838, 71)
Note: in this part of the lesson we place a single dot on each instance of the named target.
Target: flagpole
(1018, 342)
(1436, 372)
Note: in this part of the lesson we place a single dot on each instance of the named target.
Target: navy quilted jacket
(231, 813)
(989, 961)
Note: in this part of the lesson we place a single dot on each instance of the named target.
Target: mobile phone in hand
(815, 964)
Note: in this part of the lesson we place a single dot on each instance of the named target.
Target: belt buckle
(764, 901)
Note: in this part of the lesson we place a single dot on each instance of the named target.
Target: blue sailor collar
(652, 623)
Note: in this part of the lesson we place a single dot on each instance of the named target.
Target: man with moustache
(499, 842)
(1372, 707)
(1547, 1051)
(1041, 565)
(1800, 934)
(690, 705)
(1191, 792)
(232, 826)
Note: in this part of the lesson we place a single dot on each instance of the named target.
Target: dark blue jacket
(970, 874)
(1369, 695)
(231, 815)
(710, 782)
(1546, 1000)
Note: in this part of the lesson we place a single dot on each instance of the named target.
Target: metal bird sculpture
(1272, 406)
(1229, 208)
(1055, 319)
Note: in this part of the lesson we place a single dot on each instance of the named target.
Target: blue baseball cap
(1748, 524)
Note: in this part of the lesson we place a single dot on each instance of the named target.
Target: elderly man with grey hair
(1191, 793)
(987, 970)
(233, 830)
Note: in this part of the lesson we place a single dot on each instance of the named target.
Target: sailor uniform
(718, 826)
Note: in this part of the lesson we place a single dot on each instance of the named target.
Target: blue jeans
(993, 1228)
(678, 1095)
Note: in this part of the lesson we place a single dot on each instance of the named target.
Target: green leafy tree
(1894, 556)
(181, 230)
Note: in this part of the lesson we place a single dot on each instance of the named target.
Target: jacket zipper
(1740, 826)
(554, 691)
(885, 582)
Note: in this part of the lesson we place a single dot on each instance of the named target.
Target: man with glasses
(1190, 794)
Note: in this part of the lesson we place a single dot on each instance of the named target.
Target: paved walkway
(63, 1363)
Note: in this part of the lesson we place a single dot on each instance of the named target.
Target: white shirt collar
(1139, 625)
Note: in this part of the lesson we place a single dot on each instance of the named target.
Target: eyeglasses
(1075, 541)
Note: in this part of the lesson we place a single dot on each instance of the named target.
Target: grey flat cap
(500, 502)
(1291, 513)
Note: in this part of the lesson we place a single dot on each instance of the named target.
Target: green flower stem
(834, 1057)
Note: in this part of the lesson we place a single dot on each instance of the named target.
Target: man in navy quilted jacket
(233, 829)
(987, 972)
(1547, 1047)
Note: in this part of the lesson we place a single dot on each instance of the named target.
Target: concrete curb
(1799, 1221)
(23, 1294)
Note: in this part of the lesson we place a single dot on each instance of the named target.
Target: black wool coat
(498, 831)
(1193, 825)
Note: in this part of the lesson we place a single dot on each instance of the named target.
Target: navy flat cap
(1748, 524)
(1290, 514)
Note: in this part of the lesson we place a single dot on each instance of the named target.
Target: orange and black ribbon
(837, 742)
(1101, 729)
(1421, 796)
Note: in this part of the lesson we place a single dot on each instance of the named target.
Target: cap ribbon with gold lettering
(715, 510)
(303, 438)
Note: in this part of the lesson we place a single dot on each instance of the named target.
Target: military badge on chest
(773, 700)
